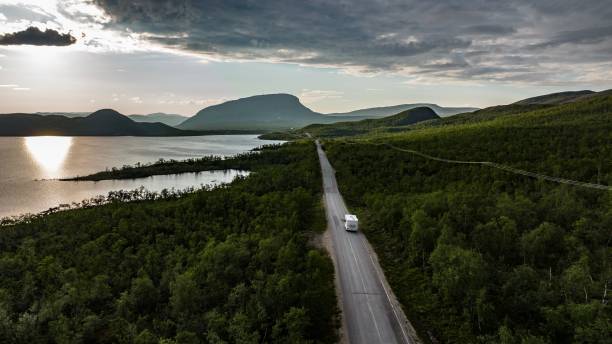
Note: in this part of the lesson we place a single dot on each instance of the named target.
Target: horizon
(323, 113)
(70, 56)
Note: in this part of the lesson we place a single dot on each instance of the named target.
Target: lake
(29, 166)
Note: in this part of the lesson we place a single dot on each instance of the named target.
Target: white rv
(351, 222)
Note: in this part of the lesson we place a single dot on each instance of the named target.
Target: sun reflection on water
(49, 152)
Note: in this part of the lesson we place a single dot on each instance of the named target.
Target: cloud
(172, 99)
(34, 36)
(551, 39)
(583, 36)
(384, 36)
(489, 29)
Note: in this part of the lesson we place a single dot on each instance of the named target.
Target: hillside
(165, 118)
(548, 101)
(65, 114)
(158, 117)
(556, 98)
(232, 264)
(394, 122)
(104, 122)
(385, 111)
(480, 255)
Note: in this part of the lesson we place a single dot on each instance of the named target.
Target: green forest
(245, 161)
(479, 255)
(475, 254)
(234, 264)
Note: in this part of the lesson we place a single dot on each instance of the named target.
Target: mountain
(65, 114)
(391, 123)
(556, 98)
(104, 122)
(523, 106)
(267, 112)
(385, 111)
(160, 117)
(285, 111)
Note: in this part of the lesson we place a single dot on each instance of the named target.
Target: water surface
(29, 165)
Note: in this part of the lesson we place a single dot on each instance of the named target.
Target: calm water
(27, 164)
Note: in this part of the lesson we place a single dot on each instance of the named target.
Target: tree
(291, 328)
(458, 273)
(496, 239)
(184, 296)
(143, 295)
(577, 280)
(422, 236)
(542, 246)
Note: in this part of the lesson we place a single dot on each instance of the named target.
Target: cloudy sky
(178, 56)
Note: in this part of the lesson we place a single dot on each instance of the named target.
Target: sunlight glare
(49, 152)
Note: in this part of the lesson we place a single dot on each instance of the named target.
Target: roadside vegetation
(282, 135)
(479, 255)
(229, 265)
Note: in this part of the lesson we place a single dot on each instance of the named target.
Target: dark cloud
(490, 29)
(34, 36)
(469, 38)
(584, 36)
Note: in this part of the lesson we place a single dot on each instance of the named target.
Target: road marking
(364, 289)
(389, 299)
(373, 318)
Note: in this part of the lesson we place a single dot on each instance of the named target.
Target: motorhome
(350, 222)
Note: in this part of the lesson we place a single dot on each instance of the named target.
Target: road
(370, 312)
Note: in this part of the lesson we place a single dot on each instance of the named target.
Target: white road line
(365, 289)
(399, 322)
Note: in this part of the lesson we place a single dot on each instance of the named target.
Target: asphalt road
(370, 312)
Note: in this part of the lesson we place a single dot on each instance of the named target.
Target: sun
(49, 152)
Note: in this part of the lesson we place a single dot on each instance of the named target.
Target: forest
(251, 160)
(233, 264)
(479, 255)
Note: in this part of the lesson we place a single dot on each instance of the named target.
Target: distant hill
(285, 111)
(556, 98)
(104, 122)
(160, 117)
(385, 111)
(65, 114)
(520, 107)
(390, 123)
(267, 112)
